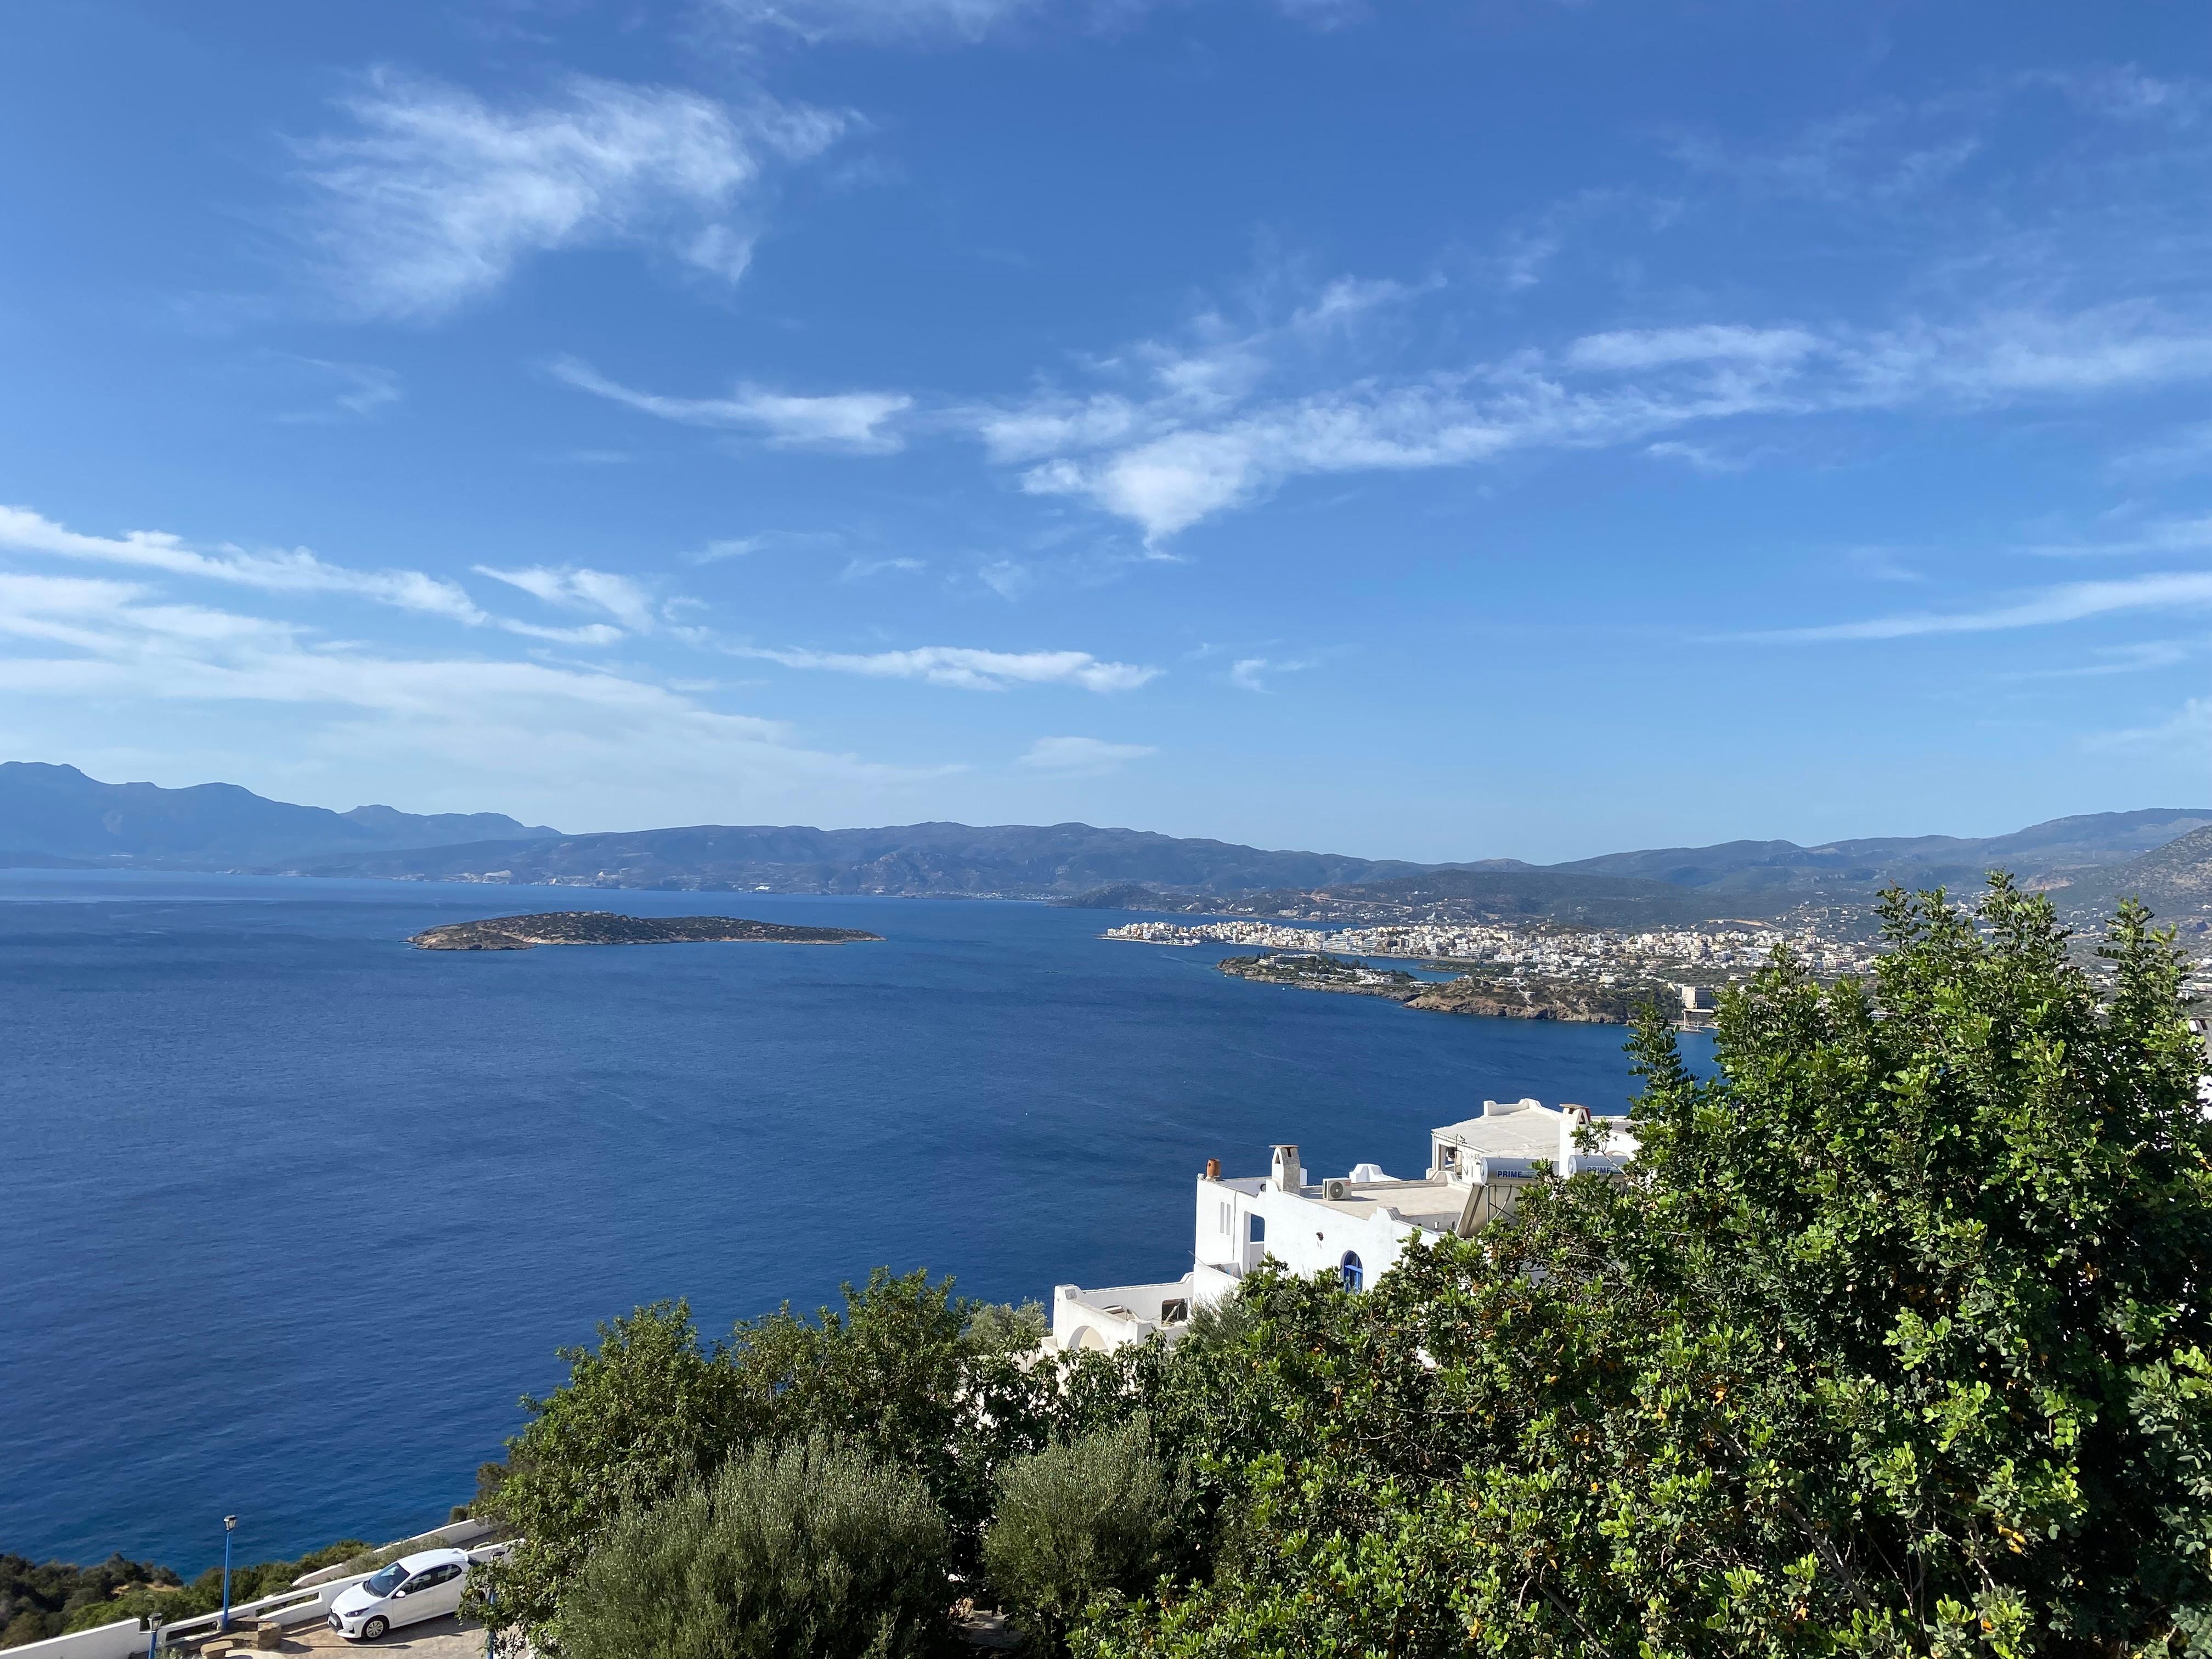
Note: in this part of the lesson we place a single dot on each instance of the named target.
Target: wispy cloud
(861, 569)
(66, 638)
(1211, 427)
(768, 541)
(2066, 602)
(1080, 756)
(860, 422)
(297, 571)
(1252, 673)
(432, 195)
(2173, 535)
(933, 22)
(578, 588)
(359, 392)
(2187, 731)
(970, 669)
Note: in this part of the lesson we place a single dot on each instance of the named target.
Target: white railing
(299, 1605)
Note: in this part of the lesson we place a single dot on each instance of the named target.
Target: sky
(1422, 430)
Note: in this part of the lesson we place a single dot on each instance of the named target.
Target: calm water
(291, 1213)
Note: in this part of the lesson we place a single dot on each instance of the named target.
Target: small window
(1229, 1219)
(1258, 1230)
(1175, 1312)
(1351, 1270)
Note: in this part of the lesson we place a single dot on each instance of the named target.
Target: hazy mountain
(2042, 853)
(912, 858)
(55, 811)
(2175, 880)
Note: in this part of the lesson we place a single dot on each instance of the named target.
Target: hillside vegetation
(1897, 1341)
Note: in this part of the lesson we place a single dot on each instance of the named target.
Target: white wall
(1302, 1234)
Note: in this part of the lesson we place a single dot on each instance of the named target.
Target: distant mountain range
(1028, 860)
(2044, 855)
(55, 814)
(2174, 880)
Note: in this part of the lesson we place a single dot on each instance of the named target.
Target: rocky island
(599, 928)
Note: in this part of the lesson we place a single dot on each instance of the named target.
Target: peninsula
(1525, 999)
(599, 928)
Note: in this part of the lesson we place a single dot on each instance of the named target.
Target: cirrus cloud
(1082, 756)
(860, 422)
(970, 669)
(432, 196)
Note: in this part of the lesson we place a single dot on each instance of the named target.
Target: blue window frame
(1353, 1277)
(1258, 1230)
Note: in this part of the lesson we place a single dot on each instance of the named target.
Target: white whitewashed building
(1355, 1226)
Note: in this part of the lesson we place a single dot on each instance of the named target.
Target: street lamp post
(153, 1622)
(229, 1526)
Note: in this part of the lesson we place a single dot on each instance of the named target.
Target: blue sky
(1427, 430)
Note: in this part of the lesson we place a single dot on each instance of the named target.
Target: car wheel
(375, 1630)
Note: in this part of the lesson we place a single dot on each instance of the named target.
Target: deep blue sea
(291, 1214)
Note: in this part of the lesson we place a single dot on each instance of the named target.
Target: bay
(291, 1214)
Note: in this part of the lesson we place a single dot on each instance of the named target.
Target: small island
(599, 928)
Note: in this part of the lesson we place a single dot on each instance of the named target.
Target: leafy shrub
(1087, 1516)
(819, 1550)
(935, 1382)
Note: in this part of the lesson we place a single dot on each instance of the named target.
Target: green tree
(645, 1411)
(937, 1383)
(819, 1550)
(1079, 1519)
(1894, 1342)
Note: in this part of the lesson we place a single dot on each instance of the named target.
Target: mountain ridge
(57, 816)
(56, 811)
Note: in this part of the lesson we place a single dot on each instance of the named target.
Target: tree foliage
(1084, 1517)
(930, 1381)
(1895, 1343)
(817, 1550)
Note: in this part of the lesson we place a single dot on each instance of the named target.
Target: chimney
(1283, 1172)
(1213, 1169)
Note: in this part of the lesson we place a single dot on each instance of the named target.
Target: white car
(425, 1585)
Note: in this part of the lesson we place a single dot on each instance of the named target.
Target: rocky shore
(599, 928)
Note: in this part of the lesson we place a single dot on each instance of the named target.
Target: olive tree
(817, 1550)
(1083, 1518)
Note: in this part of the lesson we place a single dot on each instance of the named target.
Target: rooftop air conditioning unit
(1336, 1188)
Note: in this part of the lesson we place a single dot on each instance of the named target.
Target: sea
(292, 1216)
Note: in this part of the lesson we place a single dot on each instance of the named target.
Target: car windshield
(383, 1583)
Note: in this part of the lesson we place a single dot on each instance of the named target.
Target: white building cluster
(1355, 1226)
(1556, 952)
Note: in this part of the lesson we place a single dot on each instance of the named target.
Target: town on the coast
(1599, 955)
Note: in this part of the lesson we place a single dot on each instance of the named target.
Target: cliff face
(599, 928)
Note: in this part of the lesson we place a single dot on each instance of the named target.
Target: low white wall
(299, 1605)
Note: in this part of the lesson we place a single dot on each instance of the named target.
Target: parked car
(424, 1585)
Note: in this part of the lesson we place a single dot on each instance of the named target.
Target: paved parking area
(434, 1638)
